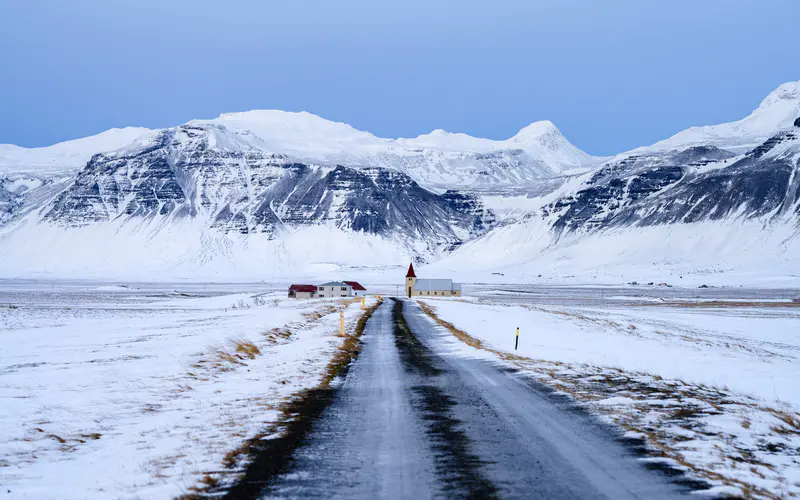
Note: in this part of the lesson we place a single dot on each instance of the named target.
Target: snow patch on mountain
(711, 253)
(65, 157)
(540, 140)
(439, 160)
(776, 112)
(163, 248)
(302, 134)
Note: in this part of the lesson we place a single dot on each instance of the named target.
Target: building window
(344, 289)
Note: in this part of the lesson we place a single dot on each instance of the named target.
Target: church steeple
(411, 280)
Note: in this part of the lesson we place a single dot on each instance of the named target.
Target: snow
(162, 249)
(65, 157)
(711, 391)
(542, 140)
(309, 136)
(439, 160)
(753, 351)
(302, 134)
(123, 394)
(734, 252)
(434, 160)
(19, 184)
(776, 112)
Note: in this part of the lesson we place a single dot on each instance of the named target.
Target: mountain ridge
(262, 179)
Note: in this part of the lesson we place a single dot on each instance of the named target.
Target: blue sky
(611, 74)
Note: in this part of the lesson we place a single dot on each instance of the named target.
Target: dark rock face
(8, 201)
(483, 219)
(135, 185)
(16, 191)
(797, 122)
(694, 185)
(237, 188)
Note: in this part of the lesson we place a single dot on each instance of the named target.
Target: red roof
(411, 271)
(303, 288)
(356, 286)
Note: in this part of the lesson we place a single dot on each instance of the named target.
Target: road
(415, 418)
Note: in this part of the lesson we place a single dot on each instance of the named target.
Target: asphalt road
(418, 419)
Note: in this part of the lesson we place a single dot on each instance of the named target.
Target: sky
(612, 75)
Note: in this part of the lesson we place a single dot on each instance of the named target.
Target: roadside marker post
(362, 303)
(516, 340)
(341, 321)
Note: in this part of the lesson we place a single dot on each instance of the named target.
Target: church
(417, 287)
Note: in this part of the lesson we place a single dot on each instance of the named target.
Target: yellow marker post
(341, 321)
(516, 341)
(363, 305)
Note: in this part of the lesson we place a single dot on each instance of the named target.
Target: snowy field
(110, 391)
(709, 379)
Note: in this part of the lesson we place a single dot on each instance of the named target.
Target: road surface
(415, 418)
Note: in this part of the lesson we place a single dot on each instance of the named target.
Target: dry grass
(247, 349)
(791, 419)
(277, 335)
(235, 352)
(68, 442)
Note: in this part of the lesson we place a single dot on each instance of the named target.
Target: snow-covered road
(416, 418)
(370, 443)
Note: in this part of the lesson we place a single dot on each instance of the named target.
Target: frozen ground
(114, 391)
(708, 378)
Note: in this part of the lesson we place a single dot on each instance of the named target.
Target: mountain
(438, 161)
(776, 112)
(435, 161)
(694, 209)
(207, 172)
(265, 194)
(445, 160)
(230, 190)
(64, 157)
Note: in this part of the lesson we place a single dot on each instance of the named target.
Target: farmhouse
(416, 287)
(358, 289)
(302, 291)
(334, 289)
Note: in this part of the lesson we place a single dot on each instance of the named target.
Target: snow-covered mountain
(697, 210)
(205, 171)
(776, 112)
(438, 161)
(64, 157)
(273, 193)
(230, 190)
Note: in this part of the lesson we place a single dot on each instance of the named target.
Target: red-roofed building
(302, 291)
(416, 287)
(358, 289)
